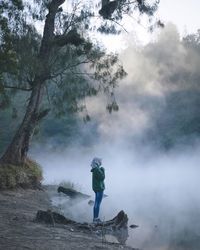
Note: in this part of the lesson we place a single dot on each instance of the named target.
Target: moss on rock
(26, 175)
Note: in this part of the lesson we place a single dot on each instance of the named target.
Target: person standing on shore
(98, 186)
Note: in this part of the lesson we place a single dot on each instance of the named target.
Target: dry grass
(27, 175)
(70, 185)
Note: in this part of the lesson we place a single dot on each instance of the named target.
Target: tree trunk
(16, 152)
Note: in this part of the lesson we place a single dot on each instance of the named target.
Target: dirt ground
(18, 231)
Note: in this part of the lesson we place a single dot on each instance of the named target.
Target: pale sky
(183, 13)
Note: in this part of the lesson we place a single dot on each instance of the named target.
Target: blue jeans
(98, 199)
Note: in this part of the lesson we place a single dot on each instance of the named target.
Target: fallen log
(73, 194)
(118, 226)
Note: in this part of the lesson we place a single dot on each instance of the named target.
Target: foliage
(177, 122)
(10, 21)
(193, 41)
(58, 68)
(66, 75)
(114, 11)
(124, 7)
(20, 45)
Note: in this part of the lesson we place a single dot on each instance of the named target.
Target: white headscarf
(96, 162)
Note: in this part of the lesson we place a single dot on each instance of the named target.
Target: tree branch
(69, 66)
(18, 88)
(48, 97)
(56, 3)
(111, 19)
(72, 37)
(42, 114)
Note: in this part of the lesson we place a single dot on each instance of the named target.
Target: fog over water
(158, 189)
(159, 192)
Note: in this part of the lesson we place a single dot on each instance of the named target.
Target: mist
(149, 151)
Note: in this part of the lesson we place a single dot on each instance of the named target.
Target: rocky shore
(20, 231)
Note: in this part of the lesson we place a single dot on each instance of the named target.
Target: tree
(175, 116)
(58, 55)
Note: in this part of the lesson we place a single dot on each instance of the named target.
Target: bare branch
(82, 73)
(111, 19)
(78, 63)
(17, 88)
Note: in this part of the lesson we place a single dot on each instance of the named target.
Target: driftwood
(118, 226)
(73, 194)
(76, 196)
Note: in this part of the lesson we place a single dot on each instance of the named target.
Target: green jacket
(98, 176)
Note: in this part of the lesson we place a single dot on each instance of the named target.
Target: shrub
(27, 175)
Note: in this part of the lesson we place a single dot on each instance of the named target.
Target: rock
(133, 226)
(50, 217)
(91, 202)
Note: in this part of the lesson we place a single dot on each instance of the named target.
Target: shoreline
(19, 231)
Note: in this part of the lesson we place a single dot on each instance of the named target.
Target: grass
(27, 175)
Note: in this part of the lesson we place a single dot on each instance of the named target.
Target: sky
(184, 14)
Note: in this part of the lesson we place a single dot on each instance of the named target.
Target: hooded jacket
(98, 176)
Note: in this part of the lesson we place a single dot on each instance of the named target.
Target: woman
(98, 186)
